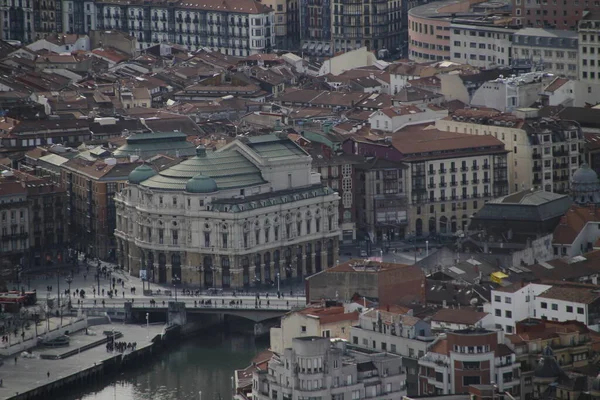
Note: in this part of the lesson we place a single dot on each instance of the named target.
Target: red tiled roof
(556, 84)
(573, 222)
(458, 316)
(329, 315)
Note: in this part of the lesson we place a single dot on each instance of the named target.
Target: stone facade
(286, 224)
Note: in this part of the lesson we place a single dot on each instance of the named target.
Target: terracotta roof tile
(556, 84)
(573, 222)
(458, 316)
(570, 293)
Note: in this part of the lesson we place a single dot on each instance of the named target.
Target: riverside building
(249, 213)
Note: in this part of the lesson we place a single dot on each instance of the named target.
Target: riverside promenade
(84, 360)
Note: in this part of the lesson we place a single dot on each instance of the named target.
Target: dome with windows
(201, 184)
(140, 174)
(585, 187)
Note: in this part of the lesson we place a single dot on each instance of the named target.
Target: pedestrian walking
(48, 374)
(15, 360)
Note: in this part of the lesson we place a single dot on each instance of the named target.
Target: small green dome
(141, 173)
(201, 184)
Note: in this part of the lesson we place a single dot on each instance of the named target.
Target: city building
(429, 27)
(480, 45)
(388, 283)
(448, 319)
(240, 28)
(316, 367)
(147, 145)
(578, 231)
(15, 223)
(513, 303)
(392, 119)
(544, 152)
(91, 187)
(19, 23)
(588, 30)
(469, 357)
(516, 230)
(550, 50)
(382, 190)
(32, 222)
(449, 177)
(339, 172)
(552, 14)
(567, 302)
(508, 94)
(569, 342)
(393, 330)
(377, 27)
(315, 320)
(249, 212)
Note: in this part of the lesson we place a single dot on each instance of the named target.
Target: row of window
(569, 309)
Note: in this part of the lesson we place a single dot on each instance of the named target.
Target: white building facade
(512, 304)
(481, 46)
(316, 368)
(249, 213)
(239, 29)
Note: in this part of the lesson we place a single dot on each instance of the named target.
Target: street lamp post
(58, 297)
(98, 278)
(176, 280)
(69, 280)
(147, 326)
(278, 282)
(427, 248)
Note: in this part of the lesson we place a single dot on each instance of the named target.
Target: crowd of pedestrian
(121, 347)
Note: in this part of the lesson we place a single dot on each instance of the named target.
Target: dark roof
(365, 366)
(547, 368)
(587, 117)
(459, 316)
(525, 205)
(568, 270)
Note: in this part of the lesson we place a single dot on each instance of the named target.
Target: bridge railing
(160, 305)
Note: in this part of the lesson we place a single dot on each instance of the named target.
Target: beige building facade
(544, 153)
(331, 322)
(247, 214)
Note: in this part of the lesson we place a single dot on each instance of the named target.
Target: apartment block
(315, 367)
(544, 152)
(549, 50)
(316, 320)
(395, 331)
(568, 344)
(449, 176)
(383, 197)
(588, 31)
(555, 14)
(468, 357)
(513, 303)
(482, 46)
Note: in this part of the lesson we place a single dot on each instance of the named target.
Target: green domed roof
(201, 184)
(141, 173)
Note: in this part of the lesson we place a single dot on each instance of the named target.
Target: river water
(204, 363)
